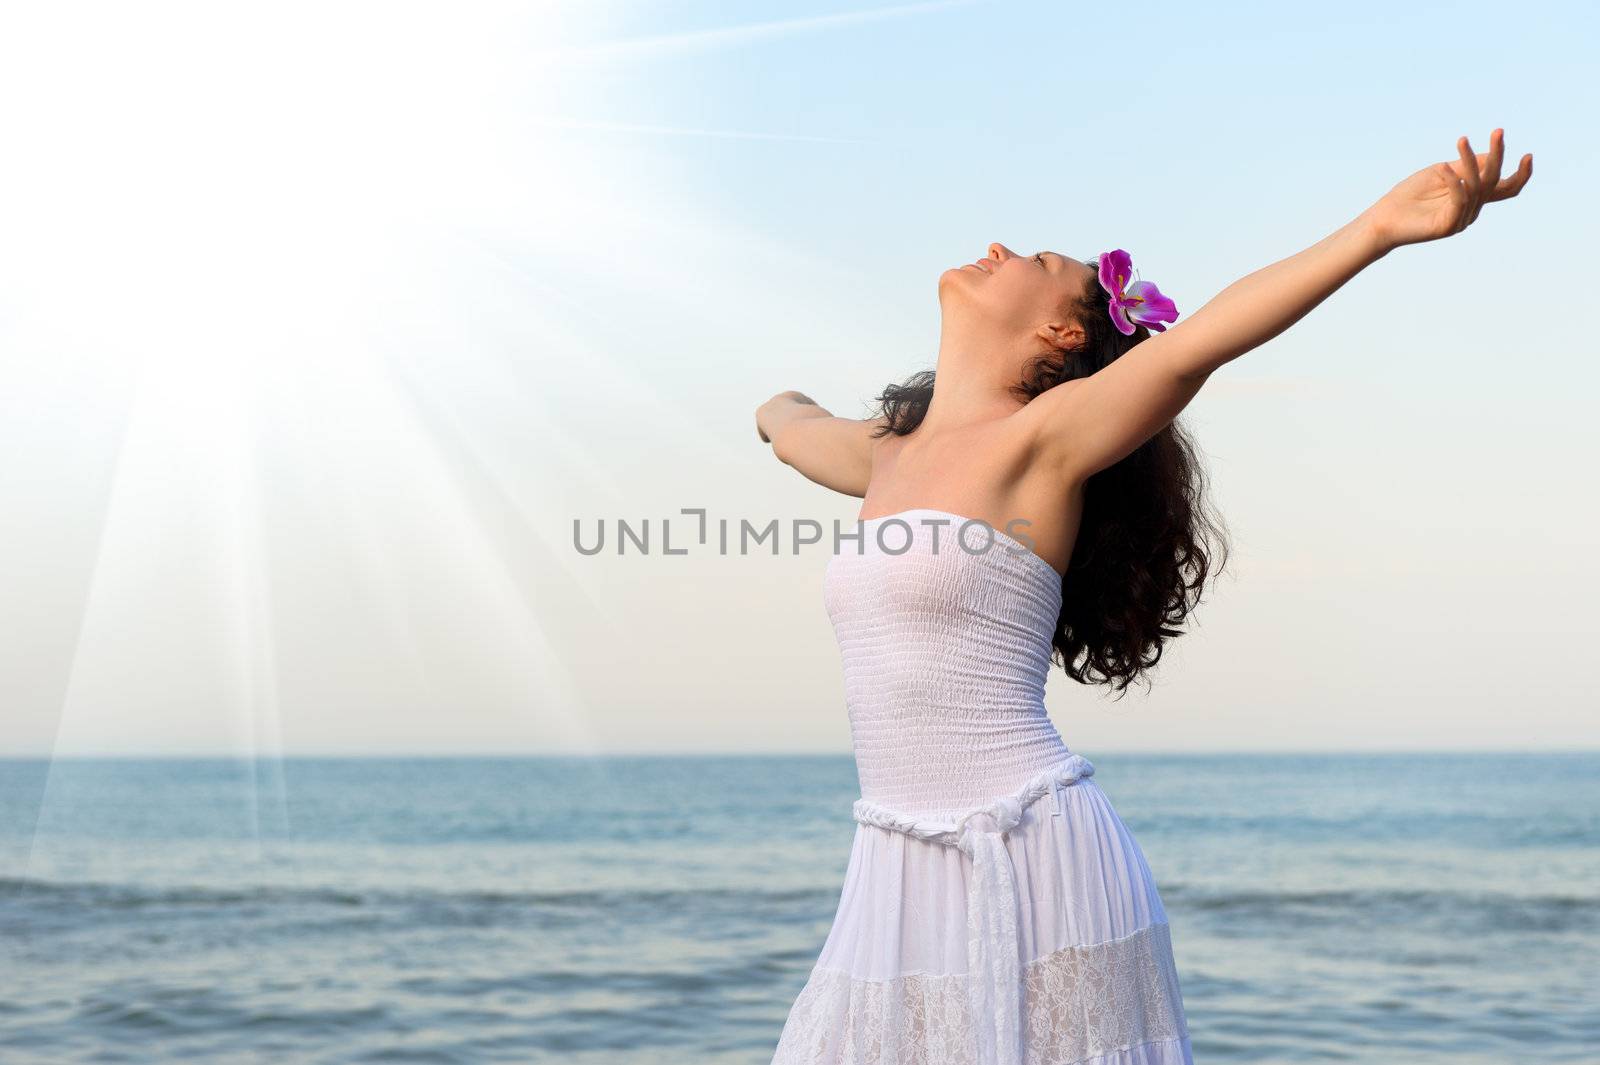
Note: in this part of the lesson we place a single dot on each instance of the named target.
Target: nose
(1000, 252)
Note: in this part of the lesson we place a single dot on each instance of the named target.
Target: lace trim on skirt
(1078, 1003)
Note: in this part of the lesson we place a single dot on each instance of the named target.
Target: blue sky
(319, 330)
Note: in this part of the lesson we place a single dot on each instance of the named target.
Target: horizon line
(502, 755)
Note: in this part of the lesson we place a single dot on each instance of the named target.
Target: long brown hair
(1148, 538)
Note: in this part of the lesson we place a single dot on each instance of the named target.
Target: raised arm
(1090, 424)
(834, 452)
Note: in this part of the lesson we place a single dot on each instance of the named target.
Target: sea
(1377, 907)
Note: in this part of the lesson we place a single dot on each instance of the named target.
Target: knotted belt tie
(993, 951)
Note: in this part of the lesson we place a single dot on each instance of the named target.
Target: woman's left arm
(1259, 306)
(1105, 416)
(1435, 202)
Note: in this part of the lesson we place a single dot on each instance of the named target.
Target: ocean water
(1333, 907)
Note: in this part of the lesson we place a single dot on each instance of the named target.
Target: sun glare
(216, 209)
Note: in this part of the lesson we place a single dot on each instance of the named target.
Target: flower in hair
(1140, 302)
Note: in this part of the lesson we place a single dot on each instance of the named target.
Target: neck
(972, 381)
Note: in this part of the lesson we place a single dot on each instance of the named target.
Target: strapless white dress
(995, 909)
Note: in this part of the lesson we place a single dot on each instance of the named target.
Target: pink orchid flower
(1140, 302)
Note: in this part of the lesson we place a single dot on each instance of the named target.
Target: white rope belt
(993, 964)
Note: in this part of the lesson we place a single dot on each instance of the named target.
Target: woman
(1033, 501)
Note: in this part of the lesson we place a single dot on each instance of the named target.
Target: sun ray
(667, 44)
(387, 344)
(684, 131)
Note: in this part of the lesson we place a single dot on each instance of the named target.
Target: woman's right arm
(834, 452)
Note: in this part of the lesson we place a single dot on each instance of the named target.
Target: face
(1019, 294)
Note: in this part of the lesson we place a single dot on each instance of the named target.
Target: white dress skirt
(995, 909)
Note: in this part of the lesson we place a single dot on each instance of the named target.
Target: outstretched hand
(1445, 198)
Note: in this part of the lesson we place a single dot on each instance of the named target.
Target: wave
(119, 895)
(1552, 911)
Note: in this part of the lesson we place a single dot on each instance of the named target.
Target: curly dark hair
(1148, 539)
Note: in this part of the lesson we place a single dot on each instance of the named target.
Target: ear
(1062, 334)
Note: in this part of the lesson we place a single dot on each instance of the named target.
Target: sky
(321, 327)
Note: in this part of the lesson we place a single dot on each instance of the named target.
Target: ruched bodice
(946, 648)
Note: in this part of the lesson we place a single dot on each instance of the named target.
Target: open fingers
(1513, 184)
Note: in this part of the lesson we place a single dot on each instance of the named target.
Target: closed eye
(1039, 258)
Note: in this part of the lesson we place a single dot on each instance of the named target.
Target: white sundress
(995, 909)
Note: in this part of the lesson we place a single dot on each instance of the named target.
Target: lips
(982, 264)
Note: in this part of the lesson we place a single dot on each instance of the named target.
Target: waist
(998, 813)
(921, 765)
